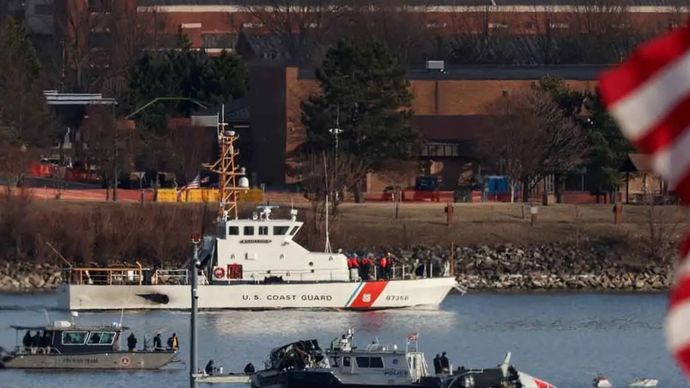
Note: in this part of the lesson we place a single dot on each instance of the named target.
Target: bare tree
(404, 29)
(101, 41)
(399, 173)
(321, 176)
(301, 26)
(104, 145)
(530, 138)
(193, 147)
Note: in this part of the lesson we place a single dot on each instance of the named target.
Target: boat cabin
(63, 337)
(376, 362)
(262, 249)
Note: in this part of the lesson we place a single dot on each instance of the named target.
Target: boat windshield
(101, 338)
(74, 337)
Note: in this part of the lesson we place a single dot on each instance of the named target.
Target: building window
(252, 25)
(436, 25)
(105, 6)
(444, 150)
(221, 41)
(498, 25)
(559, 26)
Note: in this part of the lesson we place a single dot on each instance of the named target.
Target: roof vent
(436, 66)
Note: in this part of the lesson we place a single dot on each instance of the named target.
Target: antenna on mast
(229, 186)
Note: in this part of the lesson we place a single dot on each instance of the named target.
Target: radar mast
(227, 170)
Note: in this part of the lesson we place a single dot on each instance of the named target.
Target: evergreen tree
(24, 116)
(608, 148)
(365, 94)
(186, 73)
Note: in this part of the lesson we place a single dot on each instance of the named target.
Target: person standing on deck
(173, 342)
(445, 364)
(157, 343)
(437, 364)
(131, 342)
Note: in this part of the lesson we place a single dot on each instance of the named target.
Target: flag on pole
(413, 336)
(649, 97)
(194, 184)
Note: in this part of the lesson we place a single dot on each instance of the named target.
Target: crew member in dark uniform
(157, 343)
(437, 364)
(249, 369)
(210, 368)
(26, 341)
(445, 364)
(131, 342)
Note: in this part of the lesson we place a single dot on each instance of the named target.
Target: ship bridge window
(263, 230)
(234, 230)
(74, 337)
(280, 230)
(294, 230)
(248, 230)
(346, 361)
(101, 338)
(369, 362)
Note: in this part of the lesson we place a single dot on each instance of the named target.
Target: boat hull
(331, 295)
(104, 361)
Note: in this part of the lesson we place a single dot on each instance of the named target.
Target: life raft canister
(219, 273)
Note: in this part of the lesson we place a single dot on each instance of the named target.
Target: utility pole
(194, 266)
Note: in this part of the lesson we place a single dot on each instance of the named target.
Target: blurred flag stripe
(643, 64)
(649, 96)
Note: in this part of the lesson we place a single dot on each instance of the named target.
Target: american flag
(413, 336)
(649, 96)
(194, 184)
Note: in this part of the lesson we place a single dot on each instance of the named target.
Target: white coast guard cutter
(251, 264)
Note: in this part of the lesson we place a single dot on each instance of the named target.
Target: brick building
(450, 110)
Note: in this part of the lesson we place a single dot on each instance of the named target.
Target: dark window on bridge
(294, 230)
(370, 362)
(346, 361)
(280, 230)
(234, 230)
(263, 230)
(248, 230)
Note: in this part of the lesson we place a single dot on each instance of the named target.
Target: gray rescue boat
(65, 345)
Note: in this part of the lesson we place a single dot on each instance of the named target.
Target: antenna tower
(227, 170)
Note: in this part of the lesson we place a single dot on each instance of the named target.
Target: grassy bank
(159, 233)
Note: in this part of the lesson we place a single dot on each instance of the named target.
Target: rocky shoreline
(565, 266)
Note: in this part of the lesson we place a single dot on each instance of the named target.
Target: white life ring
(124, 361)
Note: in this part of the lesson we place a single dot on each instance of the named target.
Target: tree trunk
(525, 190)
(357, 192)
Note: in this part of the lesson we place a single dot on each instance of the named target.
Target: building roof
(638, 163)
(259, 46)
(498, 72)
(146, 3)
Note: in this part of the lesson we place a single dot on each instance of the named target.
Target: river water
(563, 338)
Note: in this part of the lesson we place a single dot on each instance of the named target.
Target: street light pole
(335, 132)
(196, 240)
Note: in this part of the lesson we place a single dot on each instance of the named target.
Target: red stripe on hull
(368, 295)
